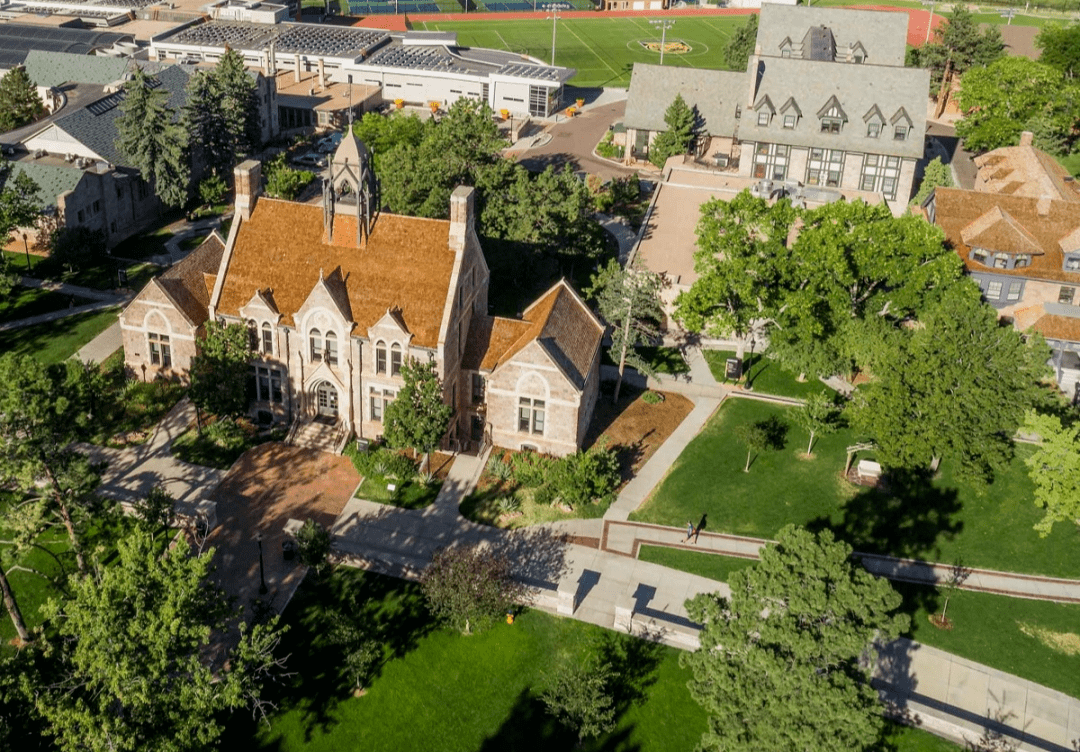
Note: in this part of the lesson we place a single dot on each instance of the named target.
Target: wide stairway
(320, 434)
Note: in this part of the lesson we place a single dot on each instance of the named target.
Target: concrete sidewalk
(102, 346)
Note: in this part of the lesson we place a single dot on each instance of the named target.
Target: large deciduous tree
(19, 102)
(38, 422)
(470, 587)
(219, 371)
(151, 139)
(579, 695)
(131, 668)
(629, 301)
(1060, 45)
(1016, 94)
(785, 661)
(682, 125)
(20, 201)
(419, 416)
(740, 265)
(955, 386)
(1055, 469)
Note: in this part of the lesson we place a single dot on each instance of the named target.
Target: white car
(311, 159)
(329, 144)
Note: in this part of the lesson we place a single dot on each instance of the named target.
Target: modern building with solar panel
(416, 68)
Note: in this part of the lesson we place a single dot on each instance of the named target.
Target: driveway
(572, 142)
(267, 487)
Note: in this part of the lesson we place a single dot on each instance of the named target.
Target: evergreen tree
(741, 46)
(960, 45)
(20, 201)
(785, 660)
(682, 126)
(204, 123)
(419, 416)
(936, 174)
(150, 138)
(629, 301)
(19, 101)
(239, 104)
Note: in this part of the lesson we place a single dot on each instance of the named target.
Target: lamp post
(27, 249)
(262, 575)
(553, 9)
(1009, 13)
(663, 24)
(930, 20)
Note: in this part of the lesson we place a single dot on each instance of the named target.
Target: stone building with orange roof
(338, 295)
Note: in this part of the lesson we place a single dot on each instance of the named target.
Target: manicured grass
(1036, 640)
(408, 495)
(56, 341)
(100, 277)
(16, 261)
(944, 520)
(203, 450)
(144, 245)
(24, 302)
(764, 375)
(129, 409)
(192, 242)
(907, 739)
(602, 50)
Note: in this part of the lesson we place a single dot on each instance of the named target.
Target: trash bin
(288, 550)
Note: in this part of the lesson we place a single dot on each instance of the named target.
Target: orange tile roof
(1024, 171)
(1058, 327)
(489, 339)
(406, 264)
(955, 210)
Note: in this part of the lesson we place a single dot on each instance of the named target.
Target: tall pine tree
(19, 102)
(150, 138)
(682, 122)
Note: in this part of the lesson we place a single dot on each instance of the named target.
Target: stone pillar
(624, 614)
(567, 597)
(462, 216)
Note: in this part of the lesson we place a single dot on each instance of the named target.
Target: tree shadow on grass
(634, 663)
(528, 727)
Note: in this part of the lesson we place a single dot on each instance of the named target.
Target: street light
(663, 24)
(553, 9)
(262, 575)
(1009, 15)
(930, 20)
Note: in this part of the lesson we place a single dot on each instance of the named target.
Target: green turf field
(603, 50)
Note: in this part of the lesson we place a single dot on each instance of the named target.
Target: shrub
(313, 545)
(470, 587)
(227, 434)
(531, 469)
(284, 182)
(499, 469)
(212, 190)
(544, 495)
(652, 398)
(384, 463)
(608, 149)
(585, 477)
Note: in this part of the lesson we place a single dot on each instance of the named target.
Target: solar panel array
(524, 70)
(419, 58)
(329, 40)
(64, 10)
(359, 8)
(218, 34)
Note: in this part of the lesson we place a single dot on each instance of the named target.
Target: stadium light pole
(553, 9)
(663, 24)
(930, 20)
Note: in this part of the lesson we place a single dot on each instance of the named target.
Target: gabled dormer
(901, 124)
(390, 340)
(875, 122)
(787, 48)
(325, 319)
(261, 316)
(997, 240)
(856, 53)
(765, 111)
(790, 113)
(832, 116)
(1070, 251)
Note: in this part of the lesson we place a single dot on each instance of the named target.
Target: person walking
(689, 530)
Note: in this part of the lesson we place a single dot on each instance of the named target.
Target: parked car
(329, 144)
(311, 159)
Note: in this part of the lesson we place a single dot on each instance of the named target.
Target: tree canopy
(785, 661)
(151, 139)
(936, 174)
(1055, 469)
(419, 416)
(470, 587)
(1015, 94)
(219, 371)
(20, 201)
(682, 125)
(741, 45)
(960, 44)
(955, 386)
(221, 115)
(19, 101)
(1060, 45)
(130, 667)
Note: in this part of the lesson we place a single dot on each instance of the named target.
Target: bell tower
(351, 187)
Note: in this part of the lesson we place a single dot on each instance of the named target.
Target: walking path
(103, 301)
(102, 346)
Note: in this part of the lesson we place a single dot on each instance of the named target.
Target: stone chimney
(322, 75)
(462, 216)
(754, 68)
(296, 60)
(1026, 138)
(248, 181)
(272, 61)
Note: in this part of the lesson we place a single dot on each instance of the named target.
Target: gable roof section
(883, 34)
(16, 41)
(405, 265)
(185, 282)
(855, 89)
(52, 179)
(55, 68)
(95, 124)
(489, 339)
(956, 209)
(714, 93)
(998, 231)
(1024, 171)
(791, 104)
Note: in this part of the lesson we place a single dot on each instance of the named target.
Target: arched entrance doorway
(326, 400)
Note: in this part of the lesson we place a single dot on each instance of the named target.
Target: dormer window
(873, 129)
(858, 59)
(901, 124)
(900, 132)
(980, 255)
(791, 113)
(1022, 260)
(1072, 262)
(832, 117)
(789, 121)
(1001, 261)
(831, 124)
(763, 117)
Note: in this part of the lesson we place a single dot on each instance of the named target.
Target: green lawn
(100, 277)
(943, 521)
(129, 409)
(56, 341)
(438, 690)
(24, 302)
(1036, 640)
(764, 375)
(602, 50)
(407, 495)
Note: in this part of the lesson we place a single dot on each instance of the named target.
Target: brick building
(336, 297)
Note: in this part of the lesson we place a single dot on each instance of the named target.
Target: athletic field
(603, 50)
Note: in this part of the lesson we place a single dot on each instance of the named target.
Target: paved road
(573, 140)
